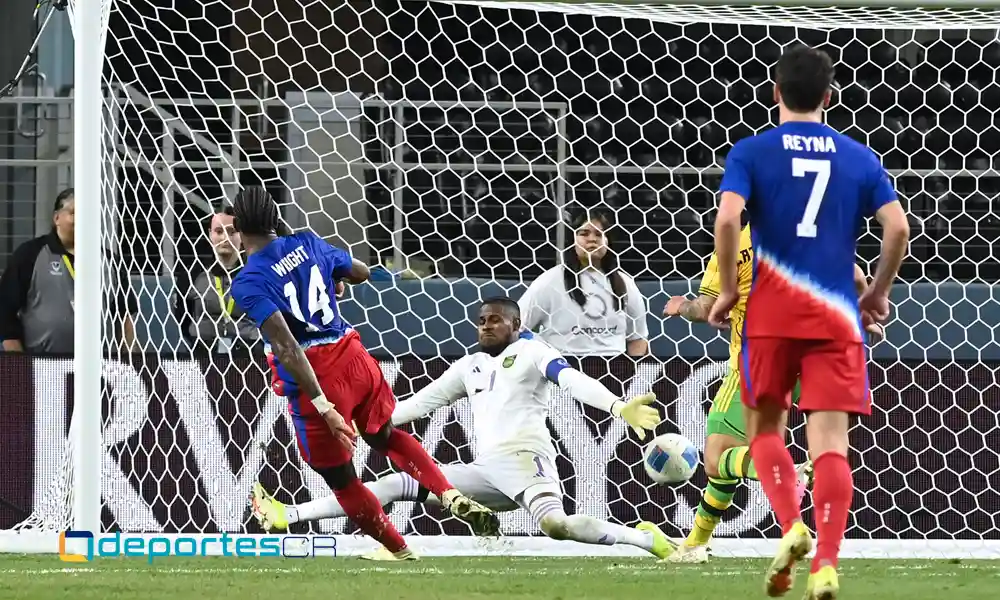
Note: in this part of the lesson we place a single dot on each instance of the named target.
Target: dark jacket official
(37, 292)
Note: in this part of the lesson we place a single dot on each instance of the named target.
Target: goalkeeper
(515, 458)
(727, 456)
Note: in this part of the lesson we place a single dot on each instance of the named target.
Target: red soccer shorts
(353, 382)
(834, 374)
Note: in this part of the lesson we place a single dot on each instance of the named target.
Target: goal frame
(88, 22)
(85, 429)
(881, 4)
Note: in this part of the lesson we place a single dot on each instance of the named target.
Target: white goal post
(451, 143)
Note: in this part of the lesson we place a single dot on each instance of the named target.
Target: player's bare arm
(695, 310)
(895, 239)
(727, 247)
(860, 280)
(291, 355)
(875, 330)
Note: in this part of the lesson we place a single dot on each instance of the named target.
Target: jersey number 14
(821, 168)
(319, 299)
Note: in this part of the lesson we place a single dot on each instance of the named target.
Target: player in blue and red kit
(318, 362)
(807, 190)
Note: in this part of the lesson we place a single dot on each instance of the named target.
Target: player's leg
(407, 454)
(364, 508)
(835, 385)
(722, 436)
(768, 369)
(373, 416)
(274, 515)
(398, 487)
(736, 462)
(727, 462)
(334, 464)
(532, 480)
(544, 503)
(471, 480)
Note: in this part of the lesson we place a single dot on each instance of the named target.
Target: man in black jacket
(36, 291)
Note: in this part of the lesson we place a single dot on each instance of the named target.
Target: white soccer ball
(670, 458)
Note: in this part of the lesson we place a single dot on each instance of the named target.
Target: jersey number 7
(319, 299)
(821, 168)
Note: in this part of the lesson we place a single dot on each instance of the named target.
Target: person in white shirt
(506, 382)
(587, 306)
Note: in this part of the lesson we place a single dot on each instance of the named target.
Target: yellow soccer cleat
(383, 555)
(270, 514)
(795, 545)
(662, 546)
(690, 555)
(823, 585)
(482, 520)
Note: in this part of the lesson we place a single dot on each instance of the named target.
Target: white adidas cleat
(803, 479)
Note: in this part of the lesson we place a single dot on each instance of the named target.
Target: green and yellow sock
(735, 463)
(717, 498)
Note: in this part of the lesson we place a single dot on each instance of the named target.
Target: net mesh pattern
(450, 143)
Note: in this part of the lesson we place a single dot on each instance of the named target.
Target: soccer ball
(670, 458)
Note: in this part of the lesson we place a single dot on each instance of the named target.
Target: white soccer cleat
(383, 555)
(688, 555)
(803, 479)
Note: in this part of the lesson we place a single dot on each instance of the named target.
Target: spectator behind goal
(587, 306)
(37, 291)
(208, 315)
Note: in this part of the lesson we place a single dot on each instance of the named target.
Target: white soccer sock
(548, 513)
(587, 529)
(395, 487)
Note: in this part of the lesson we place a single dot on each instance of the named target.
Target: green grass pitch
(45, 577)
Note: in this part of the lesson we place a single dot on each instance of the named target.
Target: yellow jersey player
(727, 455)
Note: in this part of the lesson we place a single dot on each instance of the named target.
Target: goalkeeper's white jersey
(509, 396)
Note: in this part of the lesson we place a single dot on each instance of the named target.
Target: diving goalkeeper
(506, 383)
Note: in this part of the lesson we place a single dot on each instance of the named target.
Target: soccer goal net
(453, 143)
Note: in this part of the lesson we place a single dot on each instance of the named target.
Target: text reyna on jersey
(291, 260)
(808, 143)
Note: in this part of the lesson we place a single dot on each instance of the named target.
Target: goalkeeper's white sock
(395, 487)
(552, 520)
(587, 529)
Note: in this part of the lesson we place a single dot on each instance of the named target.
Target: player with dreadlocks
(330, 380)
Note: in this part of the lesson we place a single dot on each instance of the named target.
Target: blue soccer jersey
(296, 275)
(808, 190)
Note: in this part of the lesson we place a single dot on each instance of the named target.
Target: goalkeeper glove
(638, 414)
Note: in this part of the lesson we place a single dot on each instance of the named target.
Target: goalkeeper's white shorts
(504, 482)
